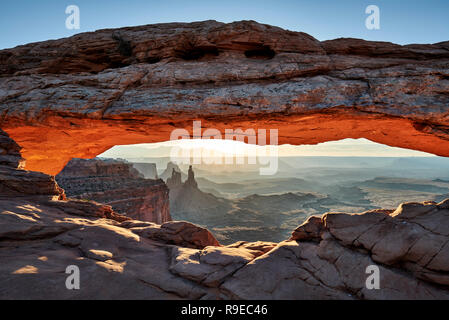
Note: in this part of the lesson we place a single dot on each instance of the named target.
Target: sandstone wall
(118, 184)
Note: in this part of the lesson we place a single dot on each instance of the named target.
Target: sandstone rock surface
(79, 96)
(327, 257)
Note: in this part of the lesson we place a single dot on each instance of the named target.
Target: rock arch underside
(79, 96)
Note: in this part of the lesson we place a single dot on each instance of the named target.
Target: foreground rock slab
(139, 260)
(327, 257)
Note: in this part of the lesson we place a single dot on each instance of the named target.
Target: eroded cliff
(118, 184)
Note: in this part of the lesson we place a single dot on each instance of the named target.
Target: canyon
(243, 205)
(118, 184)
(79, 96)
(42, 232)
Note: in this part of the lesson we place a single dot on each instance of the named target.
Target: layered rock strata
(118, 184)
(79, 96)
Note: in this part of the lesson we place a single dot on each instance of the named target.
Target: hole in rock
(118, 64)
(124, 46)
(262, 52)
(152, 60)
(236, 202)
(196, 53)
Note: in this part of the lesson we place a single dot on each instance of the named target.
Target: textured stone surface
(40, 236)
(127, 260)
(174, 232)
(409, 248)
(79, 96)
(118, 184)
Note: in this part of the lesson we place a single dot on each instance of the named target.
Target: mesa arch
(79, 96)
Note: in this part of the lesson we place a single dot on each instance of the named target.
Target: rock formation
(175, 180)
(191, 182)
(118, 184)
(168, 172)
(328, 257)
(15, 182)
(79, 96)
(186, 197)
(99, 167)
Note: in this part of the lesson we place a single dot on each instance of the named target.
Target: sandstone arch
(79, 96)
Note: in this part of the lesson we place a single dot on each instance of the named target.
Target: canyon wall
(79, 96)
(118, 184)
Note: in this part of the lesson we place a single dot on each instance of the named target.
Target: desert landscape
(148, 228)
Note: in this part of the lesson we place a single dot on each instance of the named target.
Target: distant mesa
(99, 167)
(148, 170)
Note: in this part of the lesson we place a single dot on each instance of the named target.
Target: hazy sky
(343, 148)
(412, 21)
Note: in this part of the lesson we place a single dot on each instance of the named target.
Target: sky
(403, 22)
(342, 148)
